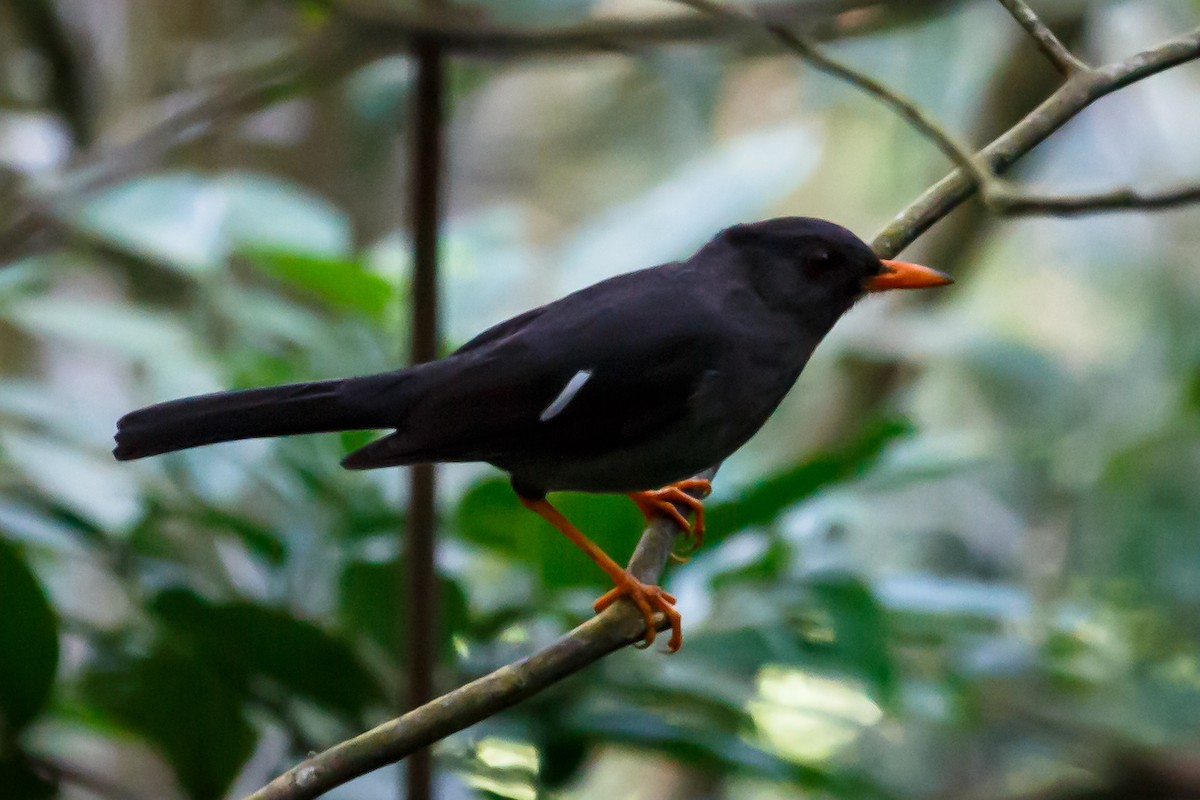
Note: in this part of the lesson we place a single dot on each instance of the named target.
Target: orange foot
(662, 502)
(648, 598)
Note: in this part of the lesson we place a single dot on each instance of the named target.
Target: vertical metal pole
(421, 584)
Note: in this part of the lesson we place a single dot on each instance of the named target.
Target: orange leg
(661, 502)
(646, 597)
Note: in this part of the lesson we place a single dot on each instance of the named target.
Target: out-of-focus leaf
(97, 489)
(372, 603)
(714, 696)
(130, 332)
(1139, 521)
(767, 565)
(341, 284)
(242, 640)
(744, 650)
(178, 705)
(28, 643)
(490, 514)
(562, 753)
(175, 220)
(265, 212)
(20, 782)
(739, 180)
(191, 223)
(50, 528)
(691, 744)
(1023, 386)
(611, 521)
(157, 341)
(257, 537)
(859, 633)
(943, 605)
(762, 503)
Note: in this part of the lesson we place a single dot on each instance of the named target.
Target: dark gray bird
(629, 385)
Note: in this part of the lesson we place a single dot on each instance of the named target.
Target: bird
(631, 385)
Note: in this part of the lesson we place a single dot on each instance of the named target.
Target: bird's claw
(648, 598)
(663, 502)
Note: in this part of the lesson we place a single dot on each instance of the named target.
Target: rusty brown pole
(425, 176)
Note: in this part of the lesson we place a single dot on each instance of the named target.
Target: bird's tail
(374, 401)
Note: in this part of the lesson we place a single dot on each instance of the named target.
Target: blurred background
(963, 560)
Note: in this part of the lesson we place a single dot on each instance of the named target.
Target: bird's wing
(502, 330)
(568, 382)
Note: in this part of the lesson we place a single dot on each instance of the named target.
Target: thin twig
(618, 626)
(804, 47)
(998, 195)
(1126, 199)
(1051, 46)
(1073, 97)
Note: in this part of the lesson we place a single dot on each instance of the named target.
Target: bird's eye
(818, 265)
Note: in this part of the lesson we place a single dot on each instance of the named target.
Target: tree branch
(1084, 86)
(1051, 46)
(1074, 96)
(1125, 199)
(804, 47)
(617, 626)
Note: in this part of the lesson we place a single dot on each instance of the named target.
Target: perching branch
(617, 626)
(1051, 46)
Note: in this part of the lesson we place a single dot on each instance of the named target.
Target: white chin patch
(569, 391)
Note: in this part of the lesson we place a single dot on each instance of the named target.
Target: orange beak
(902, 275)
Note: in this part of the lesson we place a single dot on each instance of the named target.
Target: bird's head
(818, 269)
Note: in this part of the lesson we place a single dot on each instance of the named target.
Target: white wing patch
(565, 396)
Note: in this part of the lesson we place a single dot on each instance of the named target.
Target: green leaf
(696, 744)
(744, 650)
(28, 643)
(372, 603)
(242, 640)
(859, 630)
(762, 503)
(338, 283)
(177, 704)
(258, 538)
(93, 487)
(611, 521)
(489, 514)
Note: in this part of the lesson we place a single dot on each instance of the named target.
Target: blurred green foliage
(962, 559)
